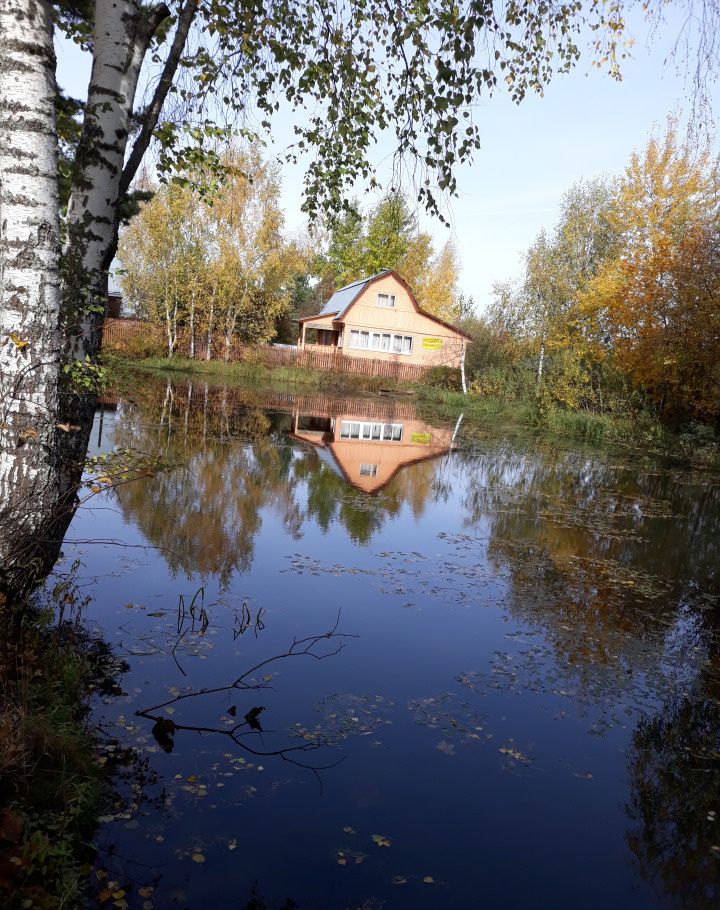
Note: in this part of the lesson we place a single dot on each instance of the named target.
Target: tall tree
(655, 300)
(29, 287)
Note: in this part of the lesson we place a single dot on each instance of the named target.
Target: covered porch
(319, 333)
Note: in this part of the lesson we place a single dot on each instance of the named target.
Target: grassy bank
(255, 375)
(694, 445)
(52, 784)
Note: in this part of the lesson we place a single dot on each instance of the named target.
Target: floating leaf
(381, 840)
(399, 880)
(429, 880)
(198, 858)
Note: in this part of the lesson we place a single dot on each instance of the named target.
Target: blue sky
(585, 125)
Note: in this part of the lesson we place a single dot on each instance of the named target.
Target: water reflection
(535, 672)
(236, 460)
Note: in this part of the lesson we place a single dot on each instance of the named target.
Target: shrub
(446, 378)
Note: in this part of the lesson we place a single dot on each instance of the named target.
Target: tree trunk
(192, 326)
(208, 351)
(30, 340)
(121, 36)
(541, 361)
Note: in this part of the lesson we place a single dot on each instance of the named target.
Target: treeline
(618, 308)
(212, 260)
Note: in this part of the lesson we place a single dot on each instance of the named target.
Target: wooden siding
(433, 344)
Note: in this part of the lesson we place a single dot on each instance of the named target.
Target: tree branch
(152, 112)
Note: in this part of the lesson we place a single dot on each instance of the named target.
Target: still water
(515, 701)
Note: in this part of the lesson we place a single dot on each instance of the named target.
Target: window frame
(377, 431)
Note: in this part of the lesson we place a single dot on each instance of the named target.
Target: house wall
(419, 441)
(443, 347)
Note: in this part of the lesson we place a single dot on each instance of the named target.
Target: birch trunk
(192, 326)
(30, 340)
(121, 36)
(541, 362)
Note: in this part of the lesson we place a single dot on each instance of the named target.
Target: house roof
(343, 298)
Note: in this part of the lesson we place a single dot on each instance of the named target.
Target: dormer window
(386, 300)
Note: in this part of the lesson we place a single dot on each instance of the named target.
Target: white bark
(120, 41)
(29, 286)
(541, 361)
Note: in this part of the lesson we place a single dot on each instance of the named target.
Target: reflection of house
(368, 451)
(378, 317)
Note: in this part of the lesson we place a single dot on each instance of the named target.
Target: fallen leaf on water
(198, 858)
(429, 880)
(399, 880)
(146, 892)
(446, 747)
(381, 840)
(348, 829)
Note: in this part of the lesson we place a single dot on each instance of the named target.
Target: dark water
(524, 712)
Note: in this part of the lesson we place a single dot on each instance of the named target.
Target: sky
(584, 126)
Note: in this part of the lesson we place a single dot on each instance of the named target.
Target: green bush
(446, 378)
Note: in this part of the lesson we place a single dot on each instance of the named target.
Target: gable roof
(343, 297)
(342, 300)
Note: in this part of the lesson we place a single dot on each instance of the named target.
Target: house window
(388, 432)
(386, 300)
(375, 341)
(368, 470)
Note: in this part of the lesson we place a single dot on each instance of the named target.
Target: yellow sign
(422, 439)
(432, 344)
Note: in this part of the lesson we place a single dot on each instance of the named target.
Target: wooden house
(379, 317)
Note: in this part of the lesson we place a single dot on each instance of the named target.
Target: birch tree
(29, 287)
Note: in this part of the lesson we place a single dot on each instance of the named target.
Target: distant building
(378, 317)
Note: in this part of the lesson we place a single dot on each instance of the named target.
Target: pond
(373, 660)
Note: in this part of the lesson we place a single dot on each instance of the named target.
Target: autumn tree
(388, 237)
(162, 260)
(217, 264)
(542, 309)
(655, 301)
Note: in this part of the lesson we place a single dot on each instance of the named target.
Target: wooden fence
(125, 334)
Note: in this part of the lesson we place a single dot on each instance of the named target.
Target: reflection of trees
(205, 515)
(619, 571)
(237, 460)
(331, 498)
(675, 800)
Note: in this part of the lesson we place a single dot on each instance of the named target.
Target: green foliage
(389, 238)
(85, 376)
(442, 378)
(68, 122)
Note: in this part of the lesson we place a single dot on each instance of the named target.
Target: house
(378, 317)
(368, 450)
